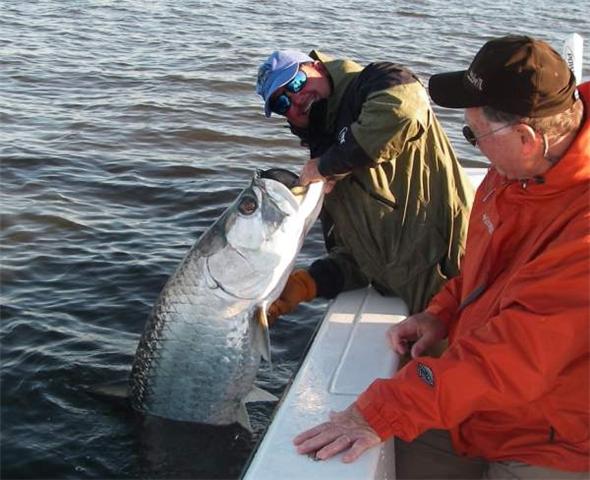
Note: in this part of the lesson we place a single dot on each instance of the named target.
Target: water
(126, 129)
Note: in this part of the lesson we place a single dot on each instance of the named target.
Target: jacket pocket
(391, 203)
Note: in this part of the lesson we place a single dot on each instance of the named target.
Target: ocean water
(126, 128)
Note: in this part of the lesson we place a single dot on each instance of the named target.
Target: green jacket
(398, 216)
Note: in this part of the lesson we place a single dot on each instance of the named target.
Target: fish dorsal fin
(260, 331)
(259, 395)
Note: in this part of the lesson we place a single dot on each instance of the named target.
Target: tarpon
(199, 354)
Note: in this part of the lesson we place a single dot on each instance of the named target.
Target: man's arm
(394, 110)
(508, 361)
(511, 360)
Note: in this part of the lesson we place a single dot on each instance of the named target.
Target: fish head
(264, 230)
(260, 210)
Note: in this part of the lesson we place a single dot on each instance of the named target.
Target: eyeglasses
(473, 139)
(282, 103)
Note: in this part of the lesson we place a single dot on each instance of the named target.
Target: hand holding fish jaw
(310, 173)
(346, 430)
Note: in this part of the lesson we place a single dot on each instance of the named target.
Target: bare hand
(423, 328)
(310, 173)
(346, 430)
(330, 184)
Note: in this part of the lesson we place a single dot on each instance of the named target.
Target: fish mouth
(281, 175)
(287, 179)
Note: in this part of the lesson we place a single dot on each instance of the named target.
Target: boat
(337, 368)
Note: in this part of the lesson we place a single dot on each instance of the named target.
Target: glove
(300, 287)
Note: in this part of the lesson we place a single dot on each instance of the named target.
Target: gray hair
(554, 126)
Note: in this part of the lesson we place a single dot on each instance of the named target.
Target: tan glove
(300, 287)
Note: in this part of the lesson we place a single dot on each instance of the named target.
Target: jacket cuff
(371, 414)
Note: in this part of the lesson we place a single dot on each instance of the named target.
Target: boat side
(349, 351)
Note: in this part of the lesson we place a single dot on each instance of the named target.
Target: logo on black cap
(474, 80)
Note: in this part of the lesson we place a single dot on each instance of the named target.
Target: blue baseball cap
(278, 70)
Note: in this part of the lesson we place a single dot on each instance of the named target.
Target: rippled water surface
(126, 128)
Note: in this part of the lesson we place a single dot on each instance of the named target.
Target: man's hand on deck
(346, 430)
(423, 328)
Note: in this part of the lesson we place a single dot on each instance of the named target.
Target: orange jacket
(514, 382)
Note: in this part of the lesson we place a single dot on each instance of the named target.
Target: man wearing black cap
(397, 215)
(510, 396)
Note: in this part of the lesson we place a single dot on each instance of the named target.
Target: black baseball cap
(514, 74)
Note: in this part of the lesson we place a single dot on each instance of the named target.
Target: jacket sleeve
(388, 120)
(336, 273)
(516, 357)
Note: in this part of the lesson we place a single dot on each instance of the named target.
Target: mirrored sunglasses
(282, 103)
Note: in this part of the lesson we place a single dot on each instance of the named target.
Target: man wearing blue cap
(396, 215)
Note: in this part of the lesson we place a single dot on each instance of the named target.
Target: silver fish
(201, 348)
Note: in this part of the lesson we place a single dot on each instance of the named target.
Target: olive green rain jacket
(397, 218)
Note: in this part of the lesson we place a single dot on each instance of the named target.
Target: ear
(531, 140)
(319, 66)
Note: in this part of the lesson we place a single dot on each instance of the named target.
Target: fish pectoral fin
(243, 417)
(116, 393)
(259, 395)
(118, 389)
(261, 335)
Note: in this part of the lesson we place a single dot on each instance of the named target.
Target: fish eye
(248, 205)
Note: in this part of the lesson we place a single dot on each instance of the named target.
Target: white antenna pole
(572, 52)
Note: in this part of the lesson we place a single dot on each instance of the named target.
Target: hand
(310, 173)
(423, 328)
(300, 287)
(330, 184)
(346, 430)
